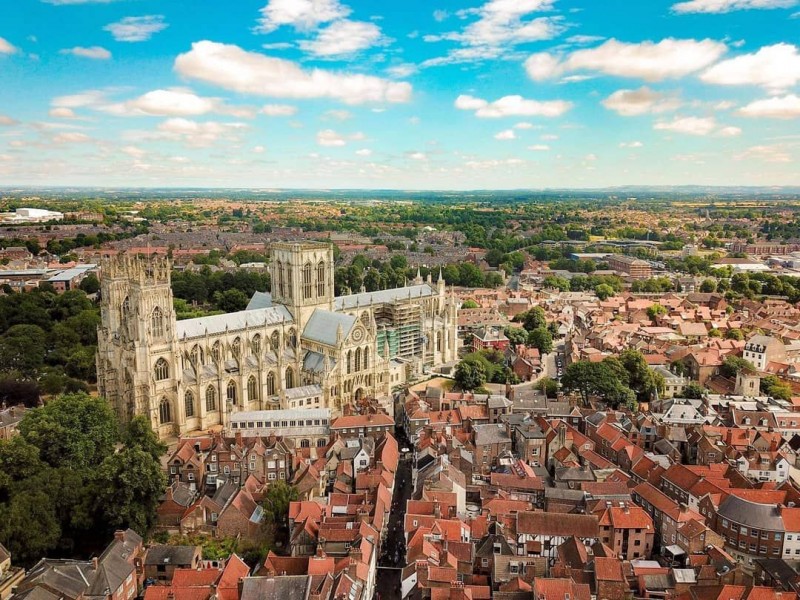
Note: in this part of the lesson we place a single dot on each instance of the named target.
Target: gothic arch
(289, 378)
(157, 323)
(358, 360)
(197, 356)
(349, 361)
(307, 281)
(271, 384)
(236, 347)
(252, 389)
(230, 392)
(321, 279)
(256, 344)
(279, 273)
(216, 351)
(188, 403)
(161, 370)
(211, 398)
(164, 411)
(275, 341)
(365, 355)
(291, 339)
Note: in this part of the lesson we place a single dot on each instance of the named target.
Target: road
(393, 551)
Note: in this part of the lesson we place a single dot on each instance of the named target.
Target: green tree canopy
(470, 374)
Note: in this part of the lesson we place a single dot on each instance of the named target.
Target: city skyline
(499, 94)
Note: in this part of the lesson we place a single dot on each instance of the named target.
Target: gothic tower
(137, 355)
(302, 278)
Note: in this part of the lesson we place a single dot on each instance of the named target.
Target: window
(164, 411)
(216, 352)
(271, 476)
(252, 389)
(190, 476)
(231, 392)
(256, 343)
(252, 466)
(283, 475)
(279, 273)
(161, 369)
(321, 279)
(157, 323)
(226, 469)
(271, 384)
(358, 360)
(173, 470)
(188, 402)
(197, 356)
(307, 281)
(211, 398)
(289, 378)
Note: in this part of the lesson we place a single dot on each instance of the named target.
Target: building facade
(300, 347)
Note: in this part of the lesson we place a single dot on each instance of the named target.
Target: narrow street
(393, 552)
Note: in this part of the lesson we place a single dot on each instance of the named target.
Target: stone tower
(302, 278)
(137, 355)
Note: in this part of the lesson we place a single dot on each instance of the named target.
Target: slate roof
(323, 325)
(286, 587)
(751, 514)
(235, 321)
(383, 296)
(171, 555)
(259, 300)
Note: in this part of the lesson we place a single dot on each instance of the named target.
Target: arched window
(291, 339)
(161, 369)
(236, 347)
(305, 443)
(157, 323)
(365, 357)
(321, 279)
(271, 384)
(126, 307)
(275, 341)
(231, 392)
(164, 411)
(307, 281)
(358, 360)
(438, 342)
(289, 291)
(256, 344)
(198, 356)
(188, 403)
(216, 351)
(211, 398)
(252, 389)
(349, 362)
(289, 378)
(321, 443)
(279, 273)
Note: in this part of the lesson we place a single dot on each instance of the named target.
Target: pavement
(393, 550)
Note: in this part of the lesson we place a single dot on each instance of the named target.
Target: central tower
(302, 278)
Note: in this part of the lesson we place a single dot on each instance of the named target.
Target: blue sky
(399, 94)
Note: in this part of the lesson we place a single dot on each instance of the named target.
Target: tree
(693, 391)
(470, 374)
(232, 300)
(548, 386)
(90, 284)
(516, 335)
(28, 526)
(771, 385)
(603, 291)
(733, 364)
(276, 502)
(641, 378)
(139, 434)
(128, 487)
(708, 286)
(22, 349)
(470, 304)
(532, 319)
(655, 310)
(542, 339)
(75, 431)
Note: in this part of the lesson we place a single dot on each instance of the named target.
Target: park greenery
(71, 477)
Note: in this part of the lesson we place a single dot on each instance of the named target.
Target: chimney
(95, 563)
(119, 535)
(239, 439)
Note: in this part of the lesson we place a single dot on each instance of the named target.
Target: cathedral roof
(323, 326)
(314, 362)
(260, 300)
(383, 296)
(191, 328)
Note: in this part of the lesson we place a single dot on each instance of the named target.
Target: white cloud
(631, 103)
(71, 137)
(501, 25)
(631, 145)
(136, 29)
(402, 71)
(95, 52)
(440, 15)
(62, 113)
(668, 59)
(6, 121)
(231, 67)
(88, 98)
(176, 102)
(364, 152)
(301, 14)
(724, 6)
(729, 132)
(417, 156)
(774, 154)
(134, 151)
(774, 67)
(278, 110)
(6, 47)
(512, 106)
(539, 147)
(724, 105)
(786, 107)
(328, 137)
(506, 134)
(259, 149)
(343, 38)
(688, 125)
(523, 125)
(198, 134)
(548, 137)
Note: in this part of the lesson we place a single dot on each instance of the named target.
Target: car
(405, 450)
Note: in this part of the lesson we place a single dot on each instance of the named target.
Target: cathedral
(298, 347)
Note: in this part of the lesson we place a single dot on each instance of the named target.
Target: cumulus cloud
(786, 107)
(724, 6)
(774, 67)
(230, 67)
(364, 152)
(195, 133)
(512, 106)
(278, 110)
(688, 125)
(6, 47)
(300, 14)
(329, 137)
(631, 103)
(88, 98)
(417, 156)
(506, 134)
(501, 24)
(71, 137)
(343, 38)
(774, 154)
(668, 59)
(176, 102)
(136, 29)
(631, 145)
(62, 113)
(402, 71)
(95, 52)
